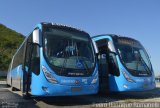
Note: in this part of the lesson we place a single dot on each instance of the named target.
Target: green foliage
(10, 40)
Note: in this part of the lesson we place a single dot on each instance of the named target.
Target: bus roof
(114, 36)
(62, 26)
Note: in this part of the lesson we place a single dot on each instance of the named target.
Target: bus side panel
(116, 82)
(9, 78)
(16, 76)
(37, 80)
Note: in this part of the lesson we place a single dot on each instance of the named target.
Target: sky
(139, 19)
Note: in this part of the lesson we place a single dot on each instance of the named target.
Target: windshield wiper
(66, 55)
(86, 66)
(83, 61)
(64, 62)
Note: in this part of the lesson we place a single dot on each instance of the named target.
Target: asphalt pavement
(10, 99)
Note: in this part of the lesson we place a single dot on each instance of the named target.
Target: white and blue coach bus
(55, 60)
(124, 64)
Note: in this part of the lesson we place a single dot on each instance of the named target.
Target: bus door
(32, 63)
(27, 65)
(103, 65)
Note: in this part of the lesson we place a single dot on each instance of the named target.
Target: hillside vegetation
(10, 40)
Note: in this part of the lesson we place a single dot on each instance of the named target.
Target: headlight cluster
(48, 75)
(128, 78)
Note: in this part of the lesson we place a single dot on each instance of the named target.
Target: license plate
(76, 89)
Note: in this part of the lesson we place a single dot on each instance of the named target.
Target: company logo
(76, 82)
(79, 64)
(67, 81)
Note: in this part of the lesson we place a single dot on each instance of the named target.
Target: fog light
(125, 86)
(45, 89)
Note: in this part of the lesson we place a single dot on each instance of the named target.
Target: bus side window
(35, 60)
(32, 60)
(28, 55)
(113, 65)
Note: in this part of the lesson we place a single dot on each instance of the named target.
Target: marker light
(48, 75)
(128, 78)
(45, 89)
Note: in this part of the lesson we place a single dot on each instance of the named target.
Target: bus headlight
(95, 79)
(48, 75)
(128, 78)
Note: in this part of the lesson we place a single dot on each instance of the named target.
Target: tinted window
(68, 52)
(28, 52)
(19, 56)
(35, 60)
(134, 57)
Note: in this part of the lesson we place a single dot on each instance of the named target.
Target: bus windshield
(134, 57)
(69, 52)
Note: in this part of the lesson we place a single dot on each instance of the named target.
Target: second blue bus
(124, 64)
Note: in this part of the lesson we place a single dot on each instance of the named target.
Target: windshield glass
(69, 52)
(134, 57)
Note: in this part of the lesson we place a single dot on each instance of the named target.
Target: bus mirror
(111, 47)
(36, 34)
(95, 46)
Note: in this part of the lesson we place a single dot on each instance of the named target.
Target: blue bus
(55, 60)
(124, 64)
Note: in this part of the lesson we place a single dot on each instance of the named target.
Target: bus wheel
(13, 89)
(8, 85)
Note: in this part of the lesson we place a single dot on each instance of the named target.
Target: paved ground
(9, 99)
